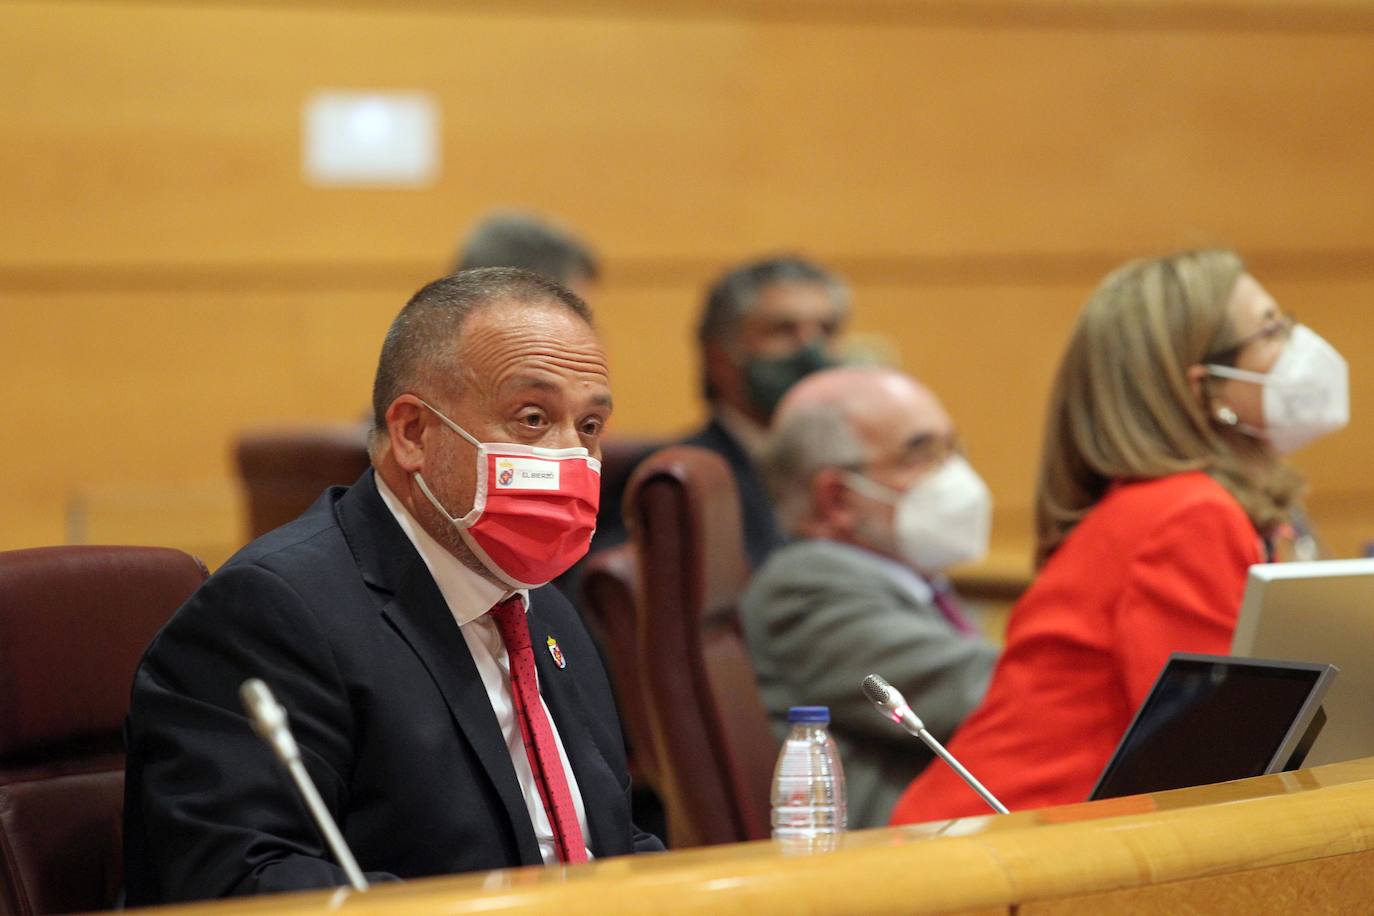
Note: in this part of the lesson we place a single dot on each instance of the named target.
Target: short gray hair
(804, 442)
(736, 293)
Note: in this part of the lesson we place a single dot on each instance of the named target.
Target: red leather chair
(713, 745)
(619, 458)
(285, 469)
(74, 622)
(609, 583)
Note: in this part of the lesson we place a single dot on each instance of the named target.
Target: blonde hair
(1122, 406)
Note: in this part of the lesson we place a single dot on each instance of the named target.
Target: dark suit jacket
(339, 615)
(761, 535)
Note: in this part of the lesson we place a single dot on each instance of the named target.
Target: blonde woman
(1161, 482)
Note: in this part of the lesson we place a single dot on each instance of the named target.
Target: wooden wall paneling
(142, 394)
(650, 337)
(953, 140)
(166, 277)
(169, 133)
(862, 138)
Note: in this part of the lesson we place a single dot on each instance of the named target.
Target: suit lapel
(559, 689)
(417, 610)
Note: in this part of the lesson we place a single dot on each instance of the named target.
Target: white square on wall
(370, 138)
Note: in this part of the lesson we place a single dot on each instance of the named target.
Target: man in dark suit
(453, 713)
(766, 324)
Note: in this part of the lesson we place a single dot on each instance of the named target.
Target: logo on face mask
(526, 474)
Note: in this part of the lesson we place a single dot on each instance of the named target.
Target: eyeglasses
(925, 452)
(1280, 328)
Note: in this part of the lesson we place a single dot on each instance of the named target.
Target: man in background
(766, 324)
(865, 466)
(512, 238)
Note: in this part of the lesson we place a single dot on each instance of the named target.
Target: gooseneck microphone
(269, 721)
(890, 702)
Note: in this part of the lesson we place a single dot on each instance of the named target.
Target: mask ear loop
(449, 423)
(479, 501)
(870, 488)
(434, 501)
(1224, 414)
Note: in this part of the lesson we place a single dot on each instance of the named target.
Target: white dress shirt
(469, 596)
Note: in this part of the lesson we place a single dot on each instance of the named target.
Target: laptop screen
(1211, 719)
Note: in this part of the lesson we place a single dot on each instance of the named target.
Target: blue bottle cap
(808, 714)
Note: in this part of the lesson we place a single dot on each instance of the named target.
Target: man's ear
(721, 369)
(405, 427)
(832, 502)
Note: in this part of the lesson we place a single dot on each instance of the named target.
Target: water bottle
(808, 782)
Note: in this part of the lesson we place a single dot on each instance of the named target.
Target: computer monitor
(1213, 718)
(1319, 612)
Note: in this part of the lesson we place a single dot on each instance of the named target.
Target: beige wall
(167, 278)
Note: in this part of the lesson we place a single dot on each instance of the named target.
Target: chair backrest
(713, 745)
(619, 458)
(285, 469)
(608, 585)
(74, 622)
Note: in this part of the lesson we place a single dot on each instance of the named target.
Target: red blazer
(1157, 567)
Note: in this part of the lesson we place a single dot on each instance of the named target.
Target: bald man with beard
(870, 482)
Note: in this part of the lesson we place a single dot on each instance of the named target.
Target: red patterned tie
(536, 732)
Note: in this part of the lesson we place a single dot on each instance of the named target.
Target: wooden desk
(1296, 842)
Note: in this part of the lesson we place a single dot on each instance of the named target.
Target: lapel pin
(557, 653)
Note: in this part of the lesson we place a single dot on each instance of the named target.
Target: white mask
(1306, 395)
(943, 520)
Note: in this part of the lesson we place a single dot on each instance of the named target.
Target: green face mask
(767, 380)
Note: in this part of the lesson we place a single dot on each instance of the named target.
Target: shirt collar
(751, 436)
(467, 592)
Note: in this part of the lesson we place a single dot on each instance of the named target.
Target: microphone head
(877, 689)
(268, 718)
(889, 701)
(263, 709)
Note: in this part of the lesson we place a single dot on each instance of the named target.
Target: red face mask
(533, 512)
